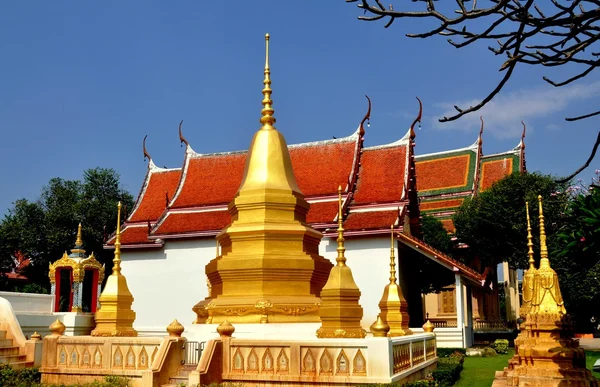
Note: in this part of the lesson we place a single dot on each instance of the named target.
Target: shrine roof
(197, 222)
(441, 258)
(447, 172)
(213, 179)
(383, 174)
(159, 184)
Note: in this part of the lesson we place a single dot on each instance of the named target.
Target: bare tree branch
(533, 32)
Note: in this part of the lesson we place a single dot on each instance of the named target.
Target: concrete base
(77, 324)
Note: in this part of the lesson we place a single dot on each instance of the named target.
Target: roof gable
(447, 172)
(159, 185)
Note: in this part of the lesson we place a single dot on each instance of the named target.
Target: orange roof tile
(181, 223)
(134, 235)
(152, 200)
(444, 172)
(321, 167)
(494, 170)
(448, 225)
(441, 204)
(381, 175)
(322, 212)
(369, 220)
(210, 180)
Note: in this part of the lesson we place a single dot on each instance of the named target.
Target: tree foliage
(493, 223)
(42, 230)
(577, 256)
(529, 32)
(435, 277)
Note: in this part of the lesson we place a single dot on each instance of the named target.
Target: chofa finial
(480, 138)
(146, 154)
(182, 139)
(267, 120)
(367, 118)
(418, 119)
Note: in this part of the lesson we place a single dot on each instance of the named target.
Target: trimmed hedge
(449, 367)
(445, 352)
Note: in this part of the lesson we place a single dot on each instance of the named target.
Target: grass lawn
(479, 371)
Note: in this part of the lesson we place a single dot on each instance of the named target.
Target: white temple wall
(166, 283)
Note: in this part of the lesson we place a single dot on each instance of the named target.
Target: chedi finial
(341, 249)
(267, 120)
(529, 239)
(544, 261)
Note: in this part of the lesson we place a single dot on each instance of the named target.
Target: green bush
(10, 377)
(500, 346)
(445, 352)
(108, 381)
(489, 352)
(447, 373)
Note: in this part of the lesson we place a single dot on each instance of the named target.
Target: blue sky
(81, 83)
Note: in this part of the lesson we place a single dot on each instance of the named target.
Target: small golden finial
(543, 248)
(392, 257)
(117, 259)
(79, 242)
(529, 239)
(267, 119)
(341, 249)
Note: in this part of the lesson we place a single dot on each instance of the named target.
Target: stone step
(9, 351)
(178, 380)
(21, 364)
(6, 342)
(2, 334)
(12, 358)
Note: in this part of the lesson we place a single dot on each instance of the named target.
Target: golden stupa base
(340, 332)
(544, 358)
(250, 310)
(394, 311)
(115, 316)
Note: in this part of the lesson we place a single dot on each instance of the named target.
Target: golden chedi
(115, 316)
(529, 276)
(546, 354)
(269, 269)
(340, 311)
(393, 306)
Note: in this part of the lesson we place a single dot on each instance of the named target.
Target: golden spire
(78, 251)
(392, 257)
(529, 239)
(267, 118)
(543, 248)
(393, 306)
(115, 316)
(341, 249)
(117, 258)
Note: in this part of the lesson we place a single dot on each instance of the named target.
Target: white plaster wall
(369, 259)
(167, 283)
(29, 302)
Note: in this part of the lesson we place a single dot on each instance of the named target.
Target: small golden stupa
(340, 310)
(115, 316)
(269, 269)
(393, 306)
(546, 354)
(529, 276)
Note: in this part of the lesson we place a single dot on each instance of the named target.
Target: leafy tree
(493, 223)
(529, 32)
(44, 229)
(435, 235)
(577, 257)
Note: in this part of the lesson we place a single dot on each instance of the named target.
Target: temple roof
(496, 166)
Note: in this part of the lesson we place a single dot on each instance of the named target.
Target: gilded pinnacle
(543, 248)
(117, 259)
(79, 241)
(341, 249)
(267, 120)
(529, 239)
(392, 257)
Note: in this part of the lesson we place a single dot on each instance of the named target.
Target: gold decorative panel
(252, 362)
(359, 364)
(326, 363)
(342, 364)
(308, 362)
(267, 362)
(283, 363)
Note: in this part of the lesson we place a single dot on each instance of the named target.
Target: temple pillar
(460, 305)
(77, 295)
(469, 336)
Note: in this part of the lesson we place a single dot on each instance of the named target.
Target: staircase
(181, 379)
(9, 353)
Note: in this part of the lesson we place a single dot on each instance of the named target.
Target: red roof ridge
(156, 169)
(420, 245)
